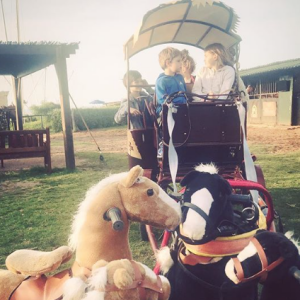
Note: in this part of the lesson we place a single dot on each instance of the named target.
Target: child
(139, 115)
(218, 75)
(170, 81)
(187, 69)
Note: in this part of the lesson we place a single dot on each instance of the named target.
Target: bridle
(266, 268)
(212, 231)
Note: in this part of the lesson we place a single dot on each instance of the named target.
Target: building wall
(3, 98)
(273, 99)
(296, 100)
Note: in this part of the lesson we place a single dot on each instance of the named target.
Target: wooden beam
(61, 70)
(18, 102)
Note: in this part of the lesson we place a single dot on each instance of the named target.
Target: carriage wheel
(260, 175)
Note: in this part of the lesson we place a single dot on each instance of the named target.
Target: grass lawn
(36, 209)
(282, 175)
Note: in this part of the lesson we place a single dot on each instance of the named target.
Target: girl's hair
(224, 57)
(133, 75)
(167, 54)
(187, 61)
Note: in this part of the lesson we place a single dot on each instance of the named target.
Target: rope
(4, 20)
(85, 124)
(5, 29)
(18, 23)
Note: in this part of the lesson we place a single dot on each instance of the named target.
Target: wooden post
(61, 70)
(18, 102)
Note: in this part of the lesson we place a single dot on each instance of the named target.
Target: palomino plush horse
(196, 270)
(273, 259)
(118, 199)
(125, 279)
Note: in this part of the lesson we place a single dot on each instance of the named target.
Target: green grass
(36, 208)
(281, 172)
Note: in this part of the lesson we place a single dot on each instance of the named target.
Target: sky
(269, 30)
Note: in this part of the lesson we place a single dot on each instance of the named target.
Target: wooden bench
(25, 144)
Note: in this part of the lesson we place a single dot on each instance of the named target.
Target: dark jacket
(136, 122)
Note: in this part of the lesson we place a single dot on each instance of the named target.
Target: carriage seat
(205, 132)
(36, 263)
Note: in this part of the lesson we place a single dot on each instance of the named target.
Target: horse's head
(205, 203)
(144, 201)
(268, 258)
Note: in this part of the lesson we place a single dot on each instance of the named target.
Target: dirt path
(282, 139)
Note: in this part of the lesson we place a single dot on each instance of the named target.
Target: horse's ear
(188, 177)
(225, 187)
(132, 176)
(287, 249)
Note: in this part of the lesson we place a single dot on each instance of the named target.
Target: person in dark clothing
(139, 115)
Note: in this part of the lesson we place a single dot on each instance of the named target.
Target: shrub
(56, 125)
(94, 118)
(45, 108)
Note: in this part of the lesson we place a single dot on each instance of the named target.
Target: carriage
(205, 131)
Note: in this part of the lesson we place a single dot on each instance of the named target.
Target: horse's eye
(150, 192)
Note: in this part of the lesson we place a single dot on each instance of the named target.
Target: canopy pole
(61, 70)
(18, 102)
(128, 88)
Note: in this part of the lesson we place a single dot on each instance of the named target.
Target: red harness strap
(192, 259)
(263, 274)
(139, 283)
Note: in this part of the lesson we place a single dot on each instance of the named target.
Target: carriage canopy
(197, 23)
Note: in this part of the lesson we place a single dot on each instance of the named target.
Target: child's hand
(135, 112)
(212, 95)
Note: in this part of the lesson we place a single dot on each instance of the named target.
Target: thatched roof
(21, 59)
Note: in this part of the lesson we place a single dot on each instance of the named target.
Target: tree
(45, 108)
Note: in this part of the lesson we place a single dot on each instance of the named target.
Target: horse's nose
(150, 192)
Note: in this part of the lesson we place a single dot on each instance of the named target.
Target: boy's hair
(133, 75)
(187, 61)
(168, 54)
(224, 57)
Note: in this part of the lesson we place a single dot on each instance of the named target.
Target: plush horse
(125, 279)
(195, 265)
(273, 259)
(100, 231)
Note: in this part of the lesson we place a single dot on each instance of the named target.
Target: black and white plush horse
(273, 259)
(192, 273)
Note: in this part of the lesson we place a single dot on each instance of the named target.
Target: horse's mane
(79, 217)
(207, 168)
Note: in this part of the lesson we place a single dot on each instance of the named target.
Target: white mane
(79, 217)
(289, 235)
(207, 168)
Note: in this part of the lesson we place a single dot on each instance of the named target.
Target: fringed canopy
(197, 23)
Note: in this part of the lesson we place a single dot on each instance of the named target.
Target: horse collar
(263, 274)
(188, 258)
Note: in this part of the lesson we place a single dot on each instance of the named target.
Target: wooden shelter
(22, 59)
(276, 95)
